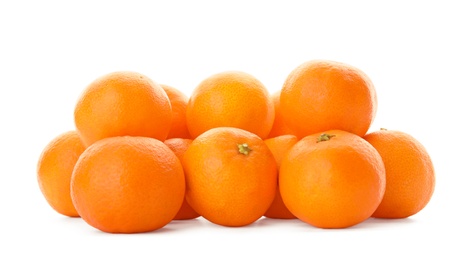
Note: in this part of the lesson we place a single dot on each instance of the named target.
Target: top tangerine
(322, 95)
(123, 103)
(230, 99)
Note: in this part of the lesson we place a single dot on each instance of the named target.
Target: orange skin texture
(128, 185)
(410, 175)
(279, 146)
(54, 171)
(332, 184)
(225, 186)
(230, 99)
(179, 146)
(179, 106)
(123, 103)
(279, 126)
(322, 95)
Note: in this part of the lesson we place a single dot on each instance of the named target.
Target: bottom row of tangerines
(232, 177)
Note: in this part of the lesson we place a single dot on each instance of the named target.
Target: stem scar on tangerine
(324, 137)
(244, 149)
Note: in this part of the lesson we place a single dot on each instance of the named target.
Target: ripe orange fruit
(332, 180)
(231, 176)
(231, 99)
(122, 103)
(279, 146)
(410, 177)
(179, 105)
(279, 126)
(128, 184)
(54, 171)
(179, 146)
(321, 95)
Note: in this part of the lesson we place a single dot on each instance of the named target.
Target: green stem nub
(244, 149)
(383, 129)
(324, 137)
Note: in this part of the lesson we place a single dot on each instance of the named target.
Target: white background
(417, 53)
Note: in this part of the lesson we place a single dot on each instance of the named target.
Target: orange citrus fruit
(179, 146)
(122, 103)
(230, 99)
(231, 176)
(279, 126)
(410, 176)
(332, 180)
(54, 171)
(179, 105)
(279, 146)
(128, 184)
(321, 95)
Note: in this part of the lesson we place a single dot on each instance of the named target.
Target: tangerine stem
(324, 137)
(244, 149)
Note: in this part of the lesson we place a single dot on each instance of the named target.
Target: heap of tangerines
(144, 154)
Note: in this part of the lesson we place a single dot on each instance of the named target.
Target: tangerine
(231, 176)
(54, 171)
(410, 175)
(128, 184)
(323, 95)
(122, 103)
(334, 179)
(230, 99)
